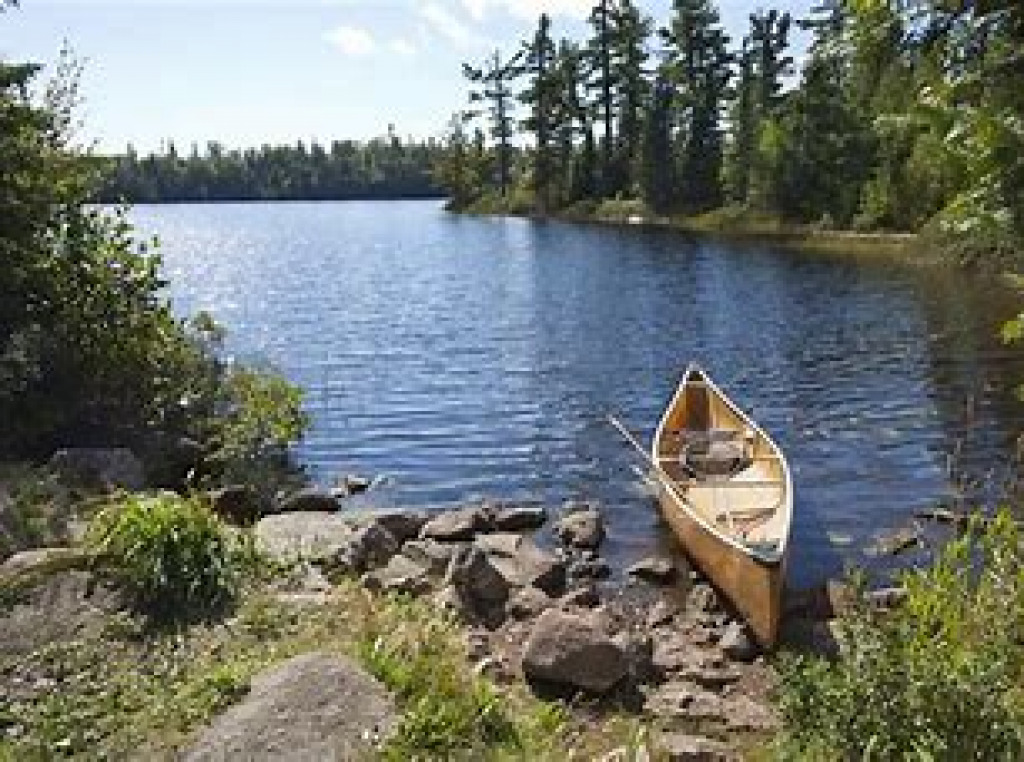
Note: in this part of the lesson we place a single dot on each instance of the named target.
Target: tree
(542, 95)
(494, 79)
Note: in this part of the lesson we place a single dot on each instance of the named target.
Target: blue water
(467, 356)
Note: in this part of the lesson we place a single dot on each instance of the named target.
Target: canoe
(725, 489)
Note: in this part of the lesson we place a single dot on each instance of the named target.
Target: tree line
(384, 167)
(904, 116)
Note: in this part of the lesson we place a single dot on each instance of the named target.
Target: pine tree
(495, 78)
(542, 95)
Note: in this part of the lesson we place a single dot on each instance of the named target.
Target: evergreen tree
(495, 80)
(542, 95)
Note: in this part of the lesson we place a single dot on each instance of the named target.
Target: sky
(249, 72)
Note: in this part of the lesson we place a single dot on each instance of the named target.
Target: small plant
(938, 679)
(171, 554)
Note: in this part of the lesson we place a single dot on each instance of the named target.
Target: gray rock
(483, 588)
(527, 603)
(352, 484)
(237, 504)
(680, 747)
(402, 525)
(436, 556)
(303, 535)
(368, 547)
(309, 499)
(517, 518)
(713, 678)
(672, 654)
(639, 650)
(657, 569)
(399, 575)
(897, 541)
(41, 561)
(678, 699)
(570, 650)
(738, 644)
(745, 714)
(522, 564)
(462, 524)
(311, 707)
(583, 527)
(97, 467)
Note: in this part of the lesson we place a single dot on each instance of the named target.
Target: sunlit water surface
(466, 356)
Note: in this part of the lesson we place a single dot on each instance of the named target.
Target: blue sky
(247, 72)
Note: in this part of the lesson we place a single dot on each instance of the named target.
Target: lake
(466, 356)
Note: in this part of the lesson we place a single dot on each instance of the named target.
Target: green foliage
(938, 679)
(171, 554)
(444, 711)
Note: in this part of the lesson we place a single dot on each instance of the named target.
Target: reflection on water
(466, 356)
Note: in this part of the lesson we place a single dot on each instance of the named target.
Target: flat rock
(585, 596)
(661, 613)
(436, 556)
(677, 699)
(581, 527)
(680, 747)
(311, 707)
(403, 525)
(307, 500)
(745, 714)
(592, 569)
(522, 564)
(571, 650)
(303, 535)
(480, 584)
(897, 541)
(106, 468)
(461, 524)
(400, 575)
(657, 569)
(518, 518)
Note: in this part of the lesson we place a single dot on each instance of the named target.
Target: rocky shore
(536, 602)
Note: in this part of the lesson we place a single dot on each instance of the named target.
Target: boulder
(366, 548)
(41, 561)
(237, 504)
(582, 527)
(314, 706)
(403, 526)
(747, 715)
(657, 569)
(519, 518)
(570, 650)
(638, 648)
(399, 575)
(482, 586)
(303, 535)
(434, 555)
(737, 643)
(308, 499)
(522, 564)
(96, 467)
(672, 654)
(461, 524)
(527, 603)
(351, 484)
(680, 747)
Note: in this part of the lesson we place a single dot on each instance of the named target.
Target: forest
(901, 116)
(384, 167)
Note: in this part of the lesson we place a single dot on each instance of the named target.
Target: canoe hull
(753, 586)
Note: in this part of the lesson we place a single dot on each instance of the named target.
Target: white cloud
(530, 9)
(352, 41)
(447, 25)
(402, 47)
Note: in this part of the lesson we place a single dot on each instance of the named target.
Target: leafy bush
(171, 554)
(939, 679)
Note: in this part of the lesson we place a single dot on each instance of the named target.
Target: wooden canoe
(725, 490)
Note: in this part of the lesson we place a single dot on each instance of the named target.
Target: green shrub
(938, 679)
(171, 554)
